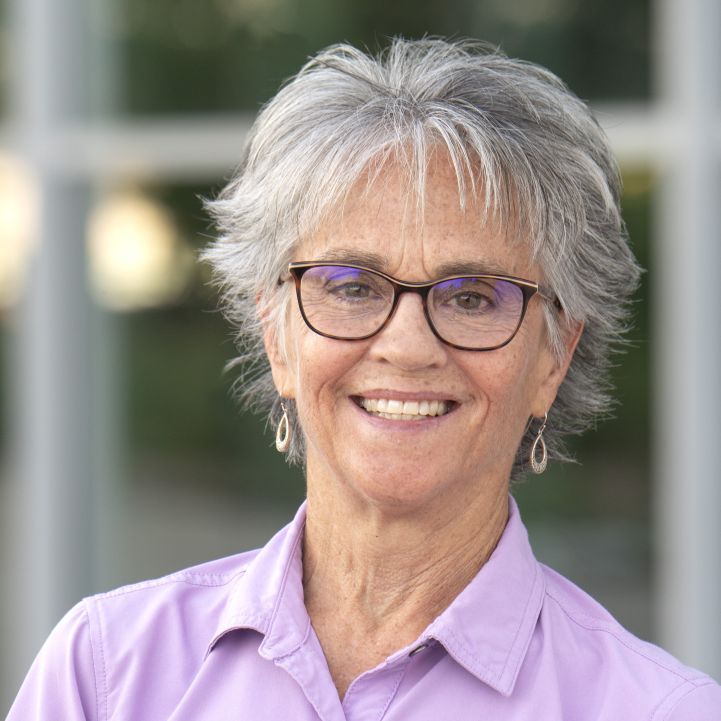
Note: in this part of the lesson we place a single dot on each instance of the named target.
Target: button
(418, 649)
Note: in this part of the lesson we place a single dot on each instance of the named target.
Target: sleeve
(62, 682)
(698, 703)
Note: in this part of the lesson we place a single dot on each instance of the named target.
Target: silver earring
(538, 466)
(283, 433)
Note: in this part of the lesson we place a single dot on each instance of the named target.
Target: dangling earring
(538, 466)
(283, 433)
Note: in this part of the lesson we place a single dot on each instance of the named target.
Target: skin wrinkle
(386, 584)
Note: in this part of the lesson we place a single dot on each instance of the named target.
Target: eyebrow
(466, 268)
(356, 257)
(373, 261)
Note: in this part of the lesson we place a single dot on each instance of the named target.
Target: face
(488, 396)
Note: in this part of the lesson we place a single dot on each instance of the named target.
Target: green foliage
(225, 55)
(179, 405)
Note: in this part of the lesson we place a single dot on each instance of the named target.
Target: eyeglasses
(468, 312)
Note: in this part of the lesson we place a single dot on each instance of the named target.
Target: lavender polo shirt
(231, 639)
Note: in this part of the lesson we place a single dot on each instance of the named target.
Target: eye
(352, 291)
(354, 286)
(465, 295)
(472, 301)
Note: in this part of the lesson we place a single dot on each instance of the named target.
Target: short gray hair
(519, 140)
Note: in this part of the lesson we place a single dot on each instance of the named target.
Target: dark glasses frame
(528, 288)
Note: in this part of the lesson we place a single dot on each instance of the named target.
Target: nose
(407, 340)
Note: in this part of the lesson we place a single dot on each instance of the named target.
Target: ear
(555, 371)
(283, 376)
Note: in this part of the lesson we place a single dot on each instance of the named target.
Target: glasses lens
(476, 312)
(345, 302)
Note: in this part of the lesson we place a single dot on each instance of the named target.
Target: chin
(400, 487)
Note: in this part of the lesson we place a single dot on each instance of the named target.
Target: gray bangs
(524, 149)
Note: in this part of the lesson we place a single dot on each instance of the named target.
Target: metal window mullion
(687, 349)
(51, 357)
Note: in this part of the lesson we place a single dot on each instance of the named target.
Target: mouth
(396, 410)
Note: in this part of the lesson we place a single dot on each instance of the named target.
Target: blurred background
(122, 454)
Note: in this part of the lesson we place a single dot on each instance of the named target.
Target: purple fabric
(231, 639)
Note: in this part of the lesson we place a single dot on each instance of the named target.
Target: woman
(429, 249)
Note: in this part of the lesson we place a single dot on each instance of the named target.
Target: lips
(398, 410)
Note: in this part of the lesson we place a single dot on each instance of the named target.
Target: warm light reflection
(18, 226)
(136, 256)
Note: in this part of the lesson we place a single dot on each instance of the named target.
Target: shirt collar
(487, 628)
(268, 597)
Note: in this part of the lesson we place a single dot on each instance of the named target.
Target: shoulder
(598, 647)
(211, 576)
(172, 599)
(178, 613)
(140, 627)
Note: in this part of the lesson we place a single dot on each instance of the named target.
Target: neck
(390, 573)
(372, 560)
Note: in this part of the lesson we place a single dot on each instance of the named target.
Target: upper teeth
(404, 410)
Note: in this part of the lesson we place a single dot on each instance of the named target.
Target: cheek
(320, 366)
(505, 382)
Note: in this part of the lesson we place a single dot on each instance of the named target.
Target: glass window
(183, 56)
(199, 478)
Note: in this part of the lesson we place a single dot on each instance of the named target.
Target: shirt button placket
(369, 696)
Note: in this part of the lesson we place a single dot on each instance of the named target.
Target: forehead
(382, 225)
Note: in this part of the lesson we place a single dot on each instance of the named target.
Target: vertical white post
(53, 431)
(687, 350)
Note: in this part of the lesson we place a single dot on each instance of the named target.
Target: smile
(396, 410)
